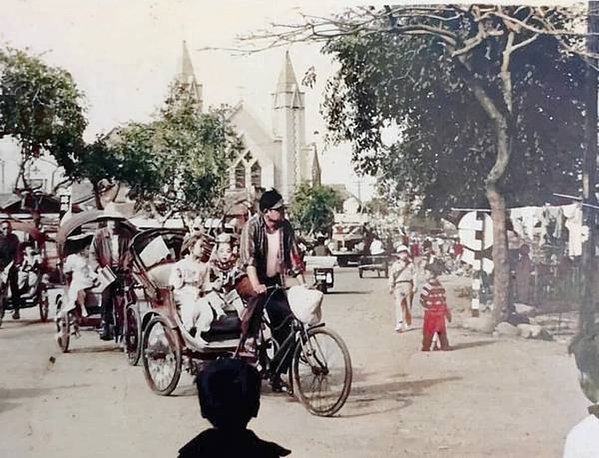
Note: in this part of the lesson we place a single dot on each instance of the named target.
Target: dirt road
(505, 398)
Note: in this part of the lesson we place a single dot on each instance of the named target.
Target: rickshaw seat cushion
(227, 327)
(160, 274)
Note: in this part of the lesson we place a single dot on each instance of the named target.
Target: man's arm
(247, 257)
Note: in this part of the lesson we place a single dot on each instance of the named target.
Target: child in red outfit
(434, 303)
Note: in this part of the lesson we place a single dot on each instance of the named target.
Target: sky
(124, 54)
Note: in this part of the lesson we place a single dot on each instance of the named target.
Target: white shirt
(272, 258)
(583, 439)
(376, 247)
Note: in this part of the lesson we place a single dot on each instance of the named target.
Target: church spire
(187, 72)
(287, 93)
(316, 170)
(287, 81)
(187, 78)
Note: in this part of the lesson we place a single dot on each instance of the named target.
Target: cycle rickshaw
(72, 236)
(320, 372)
(34, 290)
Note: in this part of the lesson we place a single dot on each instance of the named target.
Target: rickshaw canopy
(78, 220)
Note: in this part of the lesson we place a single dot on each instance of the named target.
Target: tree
(177, 162)
(313, 207)
(41, 108)
(468, 91)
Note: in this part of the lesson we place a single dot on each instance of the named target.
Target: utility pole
(587, 309)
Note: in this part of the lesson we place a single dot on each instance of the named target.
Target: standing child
(434, 302)
(401, 285)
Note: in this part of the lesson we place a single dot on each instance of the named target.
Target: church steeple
(316, 170)
(187, 78)
(287, 93)
(289, 129)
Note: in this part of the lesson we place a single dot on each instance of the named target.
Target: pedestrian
(9, 260)
(229, 395)
(433, 300)
(523, 274)
(402, 277)
(268, 255)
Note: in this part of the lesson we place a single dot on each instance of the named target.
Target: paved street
(489, 397)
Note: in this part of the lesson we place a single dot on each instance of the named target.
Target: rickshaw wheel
(43, 304)
(132, 338)
(63, 331)
(161, 354)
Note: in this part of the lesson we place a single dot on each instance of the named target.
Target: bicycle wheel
(63, 330)
(161, 354)
(132, 337)
(322, 372)
(43, 304)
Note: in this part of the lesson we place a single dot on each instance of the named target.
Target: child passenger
(189, 278)
(434, 303)
(82, 275)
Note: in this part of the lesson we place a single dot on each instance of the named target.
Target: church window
(240, 175)
(256, 175)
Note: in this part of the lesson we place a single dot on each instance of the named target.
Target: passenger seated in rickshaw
(29, 269)
(82, 276)
(189, 278)
(223, 275)
(205, 290)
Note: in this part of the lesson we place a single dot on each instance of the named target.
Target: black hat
(271, 199)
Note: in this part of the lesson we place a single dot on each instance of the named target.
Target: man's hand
(259, 288)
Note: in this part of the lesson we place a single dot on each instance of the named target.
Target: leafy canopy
(313, 208)
(41, 108)
(407, 106)
(179, 161)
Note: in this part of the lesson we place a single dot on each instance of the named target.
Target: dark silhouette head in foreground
(229, 394)
(586, 352)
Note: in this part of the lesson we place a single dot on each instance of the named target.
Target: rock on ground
(524, 310)
(479, 324)
(506, 329)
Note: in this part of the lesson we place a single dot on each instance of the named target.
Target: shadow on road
(476, 343)
(96, 350)
(8, 396)
(375, 398)
(348, 292)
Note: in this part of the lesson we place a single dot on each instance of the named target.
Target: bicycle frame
(297, 336)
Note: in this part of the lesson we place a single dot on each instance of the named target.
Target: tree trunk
(97, 196)
(501, 272)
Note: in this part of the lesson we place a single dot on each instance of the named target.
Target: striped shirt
(433, 295)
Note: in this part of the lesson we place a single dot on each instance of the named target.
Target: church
(275, 156)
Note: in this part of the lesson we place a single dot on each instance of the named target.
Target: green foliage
(313, 208)
(40, 107)
(407, 106)
(179, 161)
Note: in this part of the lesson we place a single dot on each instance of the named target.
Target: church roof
(287, 81)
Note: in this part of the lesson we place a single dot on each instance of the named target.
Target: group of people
(213, 277)
(20, 265)
(403, 286)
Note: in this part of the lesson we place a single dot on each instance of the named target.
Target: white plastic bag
(305, 304)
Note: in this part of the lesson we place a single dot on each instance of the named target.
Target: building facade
(271, 156)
